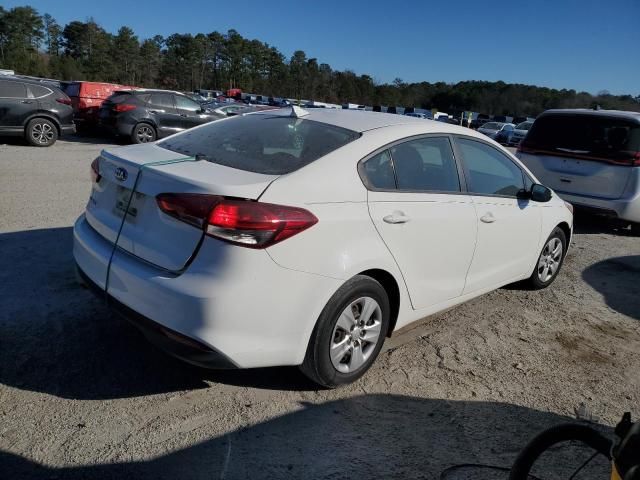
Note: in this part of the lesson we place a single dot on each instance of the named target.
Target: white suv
(591, 158)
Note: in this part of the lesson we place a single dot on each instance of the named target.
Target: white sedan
(289, 237)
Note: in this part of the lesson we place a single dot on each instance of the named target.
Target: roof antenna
(298, 112)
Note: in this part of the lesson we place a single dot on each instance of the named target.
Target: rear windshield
(605, 137)
(263, 143)
(492, 126)
(120, 97)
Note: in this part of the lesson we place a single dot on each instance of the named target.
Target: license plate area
(122, 200)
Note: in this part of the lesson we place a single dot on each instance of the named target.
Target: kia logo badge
(121, 174)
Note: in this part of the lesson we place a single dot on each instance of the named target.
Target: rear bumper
(68, 129)
(172, 342)
(627, 209)
(234, 302)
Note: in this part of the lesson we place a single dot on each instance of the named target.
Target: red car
(87, 97)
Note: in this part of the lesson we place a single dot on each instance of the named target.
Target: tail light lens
(636, 160)
(123, 107)
(95, 170)
(64, 101)
(241, 222)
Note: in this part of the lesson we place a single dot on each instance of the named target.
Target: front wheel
(41, 132)
(549, 261)
(349, 333)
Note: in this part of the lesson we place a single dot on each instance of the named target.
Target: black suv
(36, 110)
(146, 115)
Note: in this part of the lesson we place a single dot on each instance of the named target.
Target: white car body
(258, 307)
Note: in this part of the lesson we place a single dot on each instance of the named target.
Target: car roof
(595, 113)
(362, 121)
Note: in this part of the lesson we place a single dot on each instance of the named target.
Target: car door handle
(183, 114)
(396, 217)
(27, 101)
(156, 111)
(488, 218)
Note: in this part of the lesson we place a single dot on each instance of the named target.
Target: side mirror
(540, 193)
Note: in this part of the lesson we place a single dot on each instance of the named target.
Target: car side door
(190, 112)
(422, 213)
(15, 105)
(508, 226)
(162, 110)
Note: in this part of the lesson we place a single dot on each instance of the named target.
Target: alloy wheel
(550, 259)
(355, 335)
(145, 134)
(42, 133)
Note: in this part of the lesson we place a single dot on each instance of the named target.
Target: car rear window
(593, 136)
(261, 143)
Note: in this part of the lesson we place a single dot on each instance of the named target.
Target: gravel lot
(82, 395)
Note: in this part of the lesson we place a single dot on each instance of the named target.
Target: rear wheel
(143, 133)
(41, 132)
(349, 333)
(549, 261)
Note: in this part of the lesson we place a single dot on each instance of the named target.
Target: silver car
(519, 133)
(496, 129)
(591, 158)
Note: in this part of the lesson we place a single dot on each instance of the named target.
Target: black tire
(537, 281)
(318, 365)
(547, 439)
(143, 133)
(41, 132)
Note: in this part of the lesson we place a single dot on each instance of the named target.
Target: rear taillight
(241, 222)
(636, 160)
(95, 170)
(64, 101)
(123, 107)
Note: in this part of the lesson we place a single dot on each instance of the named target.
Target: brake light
(635, 161)
(95, 170)
(123, 107)
(64, 101)
(241, 222)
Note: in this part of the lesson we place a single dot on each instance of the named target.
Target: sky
(585, 45)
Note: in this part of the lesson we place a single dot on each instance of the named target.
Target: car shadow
(372, 436)
(618, 280)
(587, 223)
(58, 338)
(93, 136)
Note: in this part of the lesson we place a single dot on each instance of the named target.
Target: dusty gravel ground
(82, 395)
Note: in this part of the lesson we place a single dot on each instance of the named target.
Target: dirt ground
(83, 395)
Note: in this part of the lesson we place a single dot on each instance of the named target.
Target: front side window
(426, 164)
(271, 144)
(184, 103)
(489, 172)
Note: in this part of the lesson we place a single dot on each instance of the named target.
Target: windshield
(267, 144)
(492, 126)
(524, 126)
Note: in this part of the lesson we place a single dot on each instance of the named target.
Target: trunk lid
(147, 232)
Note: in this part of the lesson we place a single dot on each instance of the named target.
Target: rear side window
(379, 172)
(261, 143)
(489, 172)
(12, 90)
(588, 136)
(426, 164)
(38, 91)
(163, 100)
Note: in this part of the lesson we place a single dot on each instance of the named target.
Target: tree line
(35, 44)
